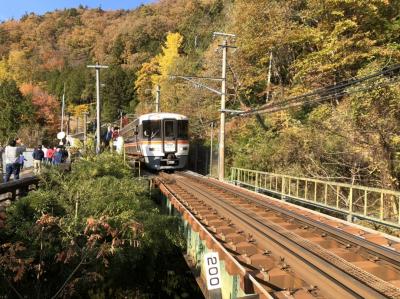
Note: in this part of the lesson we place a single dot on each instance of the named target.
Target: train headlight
(185, 148)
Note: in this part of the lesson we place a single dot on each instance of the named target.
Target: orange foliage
(47, 107)
(52, 60)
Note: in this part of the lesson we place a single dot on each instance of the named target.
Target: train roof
(161, 115)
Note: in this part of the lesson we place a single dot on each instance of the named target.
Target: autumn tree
(158, 72)
(46, 106)
(143, 86)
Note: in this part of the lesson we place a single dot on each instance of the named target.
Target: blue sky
(17, 8)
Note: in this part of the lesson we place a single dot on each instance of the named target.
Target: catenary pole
(269, 77)
(98, 114)
(211, 147)
(221, 147)
(158, 92)
(62, 110)
(221, 161)
(85, 114)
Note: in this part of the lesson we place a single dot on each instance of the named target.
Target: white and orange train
(160, 140)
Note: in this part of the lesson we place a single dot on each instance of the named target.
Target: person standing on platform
(45, 158)
(21, 161)
(11, 154)
(57, 158)
(108, 136)
(20, 150)
(38, 156)
(50, 154)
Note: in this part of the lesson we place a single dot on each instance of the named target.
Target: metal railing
(378, 205)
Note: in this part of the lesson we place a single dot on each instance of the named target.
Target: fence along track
(374, 204)
(379, 285)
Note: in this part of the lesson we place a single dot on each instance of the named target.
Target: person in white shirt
(46, 157)
(11, 155)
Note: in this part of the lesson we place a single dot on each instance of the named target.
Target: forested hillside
(314, 43)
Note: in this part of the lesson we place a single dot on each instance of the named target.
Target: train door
(170, 135)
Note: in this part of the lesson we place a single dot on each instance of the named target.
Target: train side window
(183, 127)
(151, 128)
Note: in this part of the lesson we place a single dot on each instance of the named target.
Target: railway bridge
(270, 248)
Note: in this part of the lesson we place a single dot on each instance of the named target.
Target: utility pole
(77, 124)
(85, 114)
(98, 123)
(221, 148)
(68, 123)
(269, 77)
(62, 110)
(211, 147)
(221, 164)
(158, 92)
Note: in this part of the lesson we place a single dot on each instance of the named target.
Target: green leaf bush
(94, 232)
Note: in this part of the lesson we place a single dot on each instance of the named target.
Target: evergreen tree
(15, 110)
(117, 93)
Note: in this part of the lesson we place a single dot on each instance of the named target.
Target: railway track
(291, 251)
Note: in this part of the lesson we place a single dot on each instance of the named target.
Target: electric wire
(331, 92)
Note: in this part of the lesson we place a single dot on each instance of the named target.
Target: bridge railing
(14, 189)
(377, 205)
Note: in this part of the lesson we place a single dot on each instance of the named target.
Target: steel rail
(253, 280)
(390, 255)
(371, 282)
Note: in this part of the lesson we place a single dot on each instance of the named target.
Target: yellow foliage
(143, 80)
(20, 66)
(78, 110)
(166, 60)
(157, 71)
(4, 73)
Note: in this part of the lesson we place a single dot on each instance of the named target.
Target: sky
(17, 8)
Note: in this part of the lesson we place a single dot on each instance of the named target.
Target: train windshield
(183, 127)
(169, 129)
(151, 128)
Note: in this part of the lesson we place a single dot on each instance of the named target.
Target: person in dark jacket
(38, 156)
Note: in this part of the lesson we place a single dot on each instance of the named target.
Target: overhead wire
(324, 94)
(284, 106)
(332, 89)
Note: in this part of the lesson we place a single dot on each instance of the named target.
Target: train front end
(165, 143)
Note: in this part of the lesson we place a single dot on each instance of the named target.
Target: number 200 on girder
(213, 273)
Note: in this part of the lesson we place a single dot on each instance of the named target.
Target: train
(160, 140)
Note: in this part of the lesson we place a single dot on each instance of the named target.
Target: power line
(332, 89)
(286, 105)
(325, 93)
